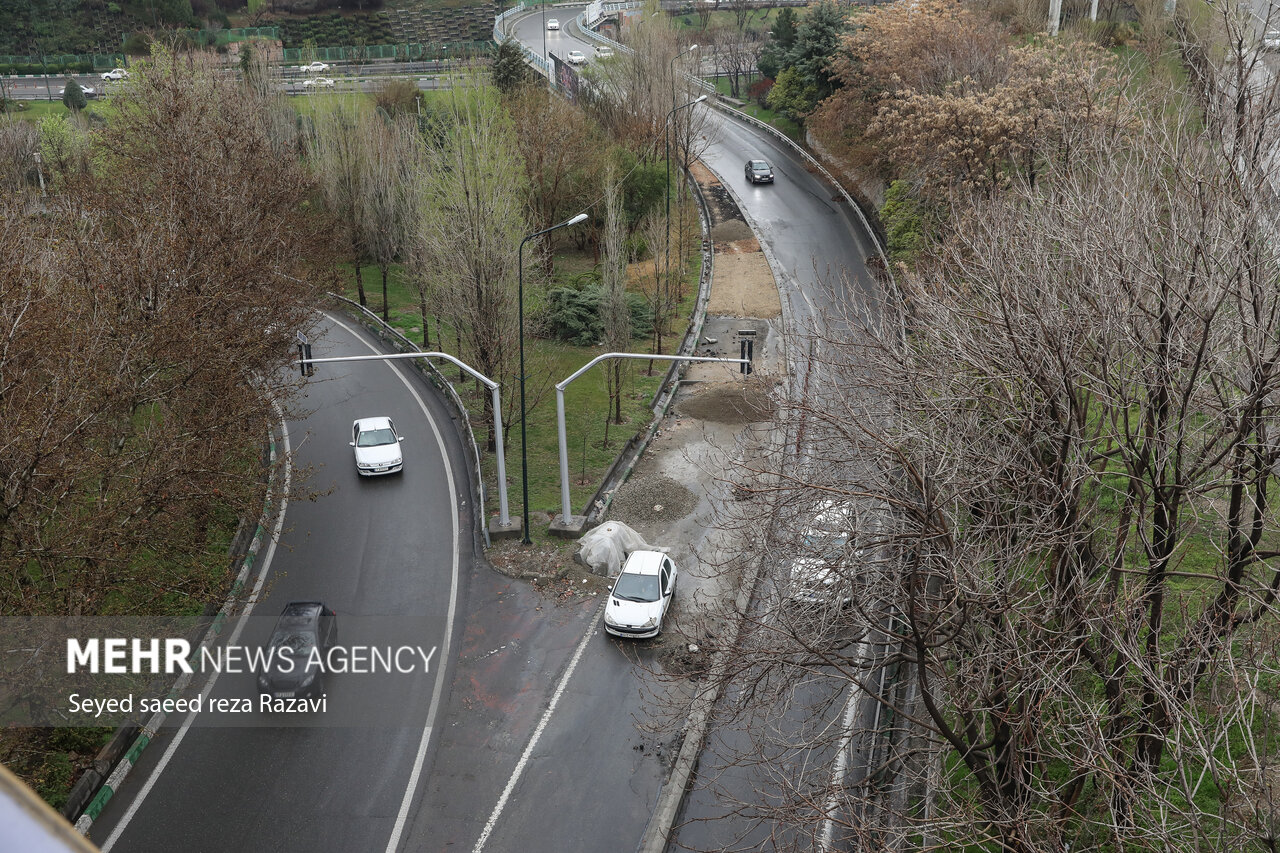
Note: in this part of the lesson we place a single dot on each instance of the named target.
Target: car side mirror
(351, 443)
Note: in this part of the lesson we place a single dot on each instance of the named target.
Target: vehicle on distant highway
(318, 83)
(604, 51)
(758, 172)
(377, 446)
(89, 91)
(641, 596)
(1271, 41)
(575, 57)
(553, 24)
(313, 67)
(293, 671)
(115, 74)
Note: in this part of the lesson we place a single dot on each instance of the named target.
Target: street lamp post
(666, 139)
(524, 447)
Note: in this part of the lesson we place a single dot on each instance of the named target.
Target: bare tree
(148, 315)
(340, 151)
(472, 217)
(1048, 618)
(391, 203)
(615, 313)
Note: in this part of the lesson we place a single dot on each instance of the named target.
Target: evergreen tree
(509, 68)
(73, 96)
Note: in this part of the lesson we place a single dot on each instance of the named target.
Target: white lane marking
(235, 635)
(406, 802)
(537, 733)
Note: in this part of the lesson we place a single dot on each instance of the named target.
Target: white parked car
(641, 596)
(553, 24)
(822, 569)
(604, 51)
(318, 83)
(377, 446)
(575, 57)
(115, 74)
(313, 67)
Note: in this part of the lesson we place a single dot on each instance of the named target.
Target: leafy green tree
(792, 96)
(73, 96)
(509, 68)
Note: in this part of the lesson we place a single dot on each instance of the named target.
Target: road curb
(210, 633)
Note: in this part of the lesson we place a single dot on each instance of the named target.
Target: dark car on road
(758, 172)
(293, 670)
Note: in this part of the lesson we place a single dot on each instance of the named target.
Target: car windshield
(298, 642)
(824, 543)
(759, 165)
(375, 437)
(633, 587)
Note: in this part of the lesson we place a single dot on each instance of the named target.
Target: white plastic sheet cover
(604, 548)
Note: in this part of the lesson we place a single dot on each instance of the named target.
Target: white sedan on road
(553, 24)
(641, 596)
(115, 74)
(313, 67)
(318, 83)
(575, 57)
(377, 446)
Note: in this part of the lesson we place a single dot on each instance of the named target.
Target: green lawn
(548, 362)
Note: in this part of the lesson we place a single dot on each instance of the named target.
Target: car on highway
(641, 597)
(604, 51)
(292, 670)
(318, 83)
(758, 172)
(115, 74)
(377, 446)
(1271, 41)
(89, 91)
(575, 57)
(553, 24)
(313, 67)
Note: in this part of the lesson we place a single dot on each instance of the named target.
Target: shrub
(573, 315)
(903, 223)
(397, 96)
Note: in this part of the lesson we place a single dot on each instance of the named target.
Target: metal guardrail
(809, 158)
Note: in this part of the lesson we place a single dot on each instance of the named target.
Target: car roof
(379, 422)
(643, 563)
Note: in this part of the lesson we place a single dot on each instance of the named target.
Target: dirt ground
(743, 284)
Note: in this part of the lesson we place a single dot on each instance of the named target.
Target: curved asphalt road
(391, 555)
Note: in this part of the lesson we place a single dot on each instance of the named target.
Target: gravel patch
(729, 404)
(651, 498)
(732, 230)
